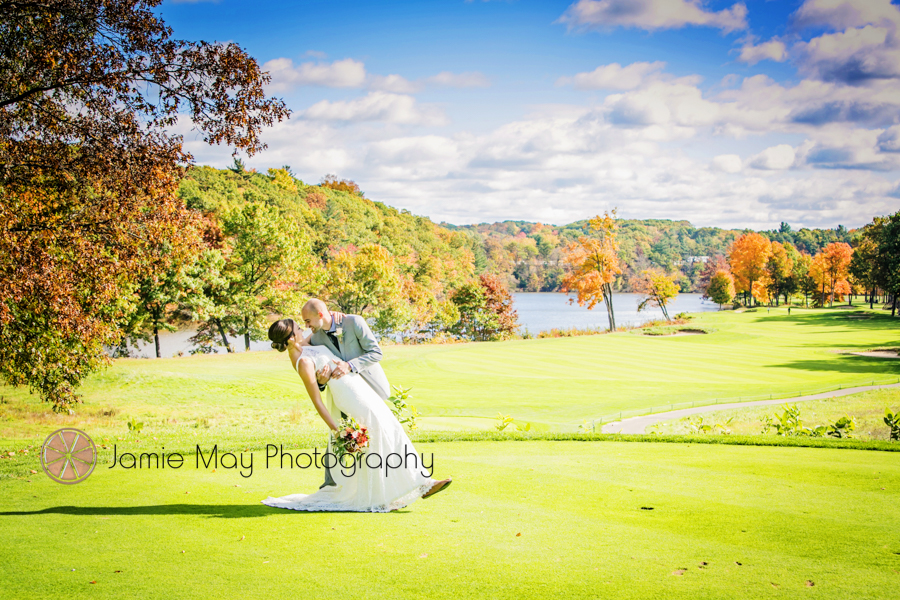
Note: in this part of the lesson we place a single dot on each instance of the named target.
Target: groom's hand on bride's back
(341, 368)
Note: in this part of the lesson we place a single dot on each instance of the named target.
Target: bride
(384, 486)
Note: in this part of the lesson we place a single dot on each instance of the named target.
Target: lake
(539, 311)
(544, 311)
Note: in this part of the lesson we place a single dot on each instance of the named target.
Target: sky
(726, 114)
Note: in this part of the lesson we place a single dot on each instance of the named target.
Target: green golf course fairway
(727, 522)
(555, 384)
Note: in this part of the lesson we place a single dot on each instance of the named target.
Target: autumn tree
(780, 270)
(658, 288)
(485, 309)
(709, 270)
(89, 92)
(343, 185)
(721, 288)
(819, 279)
(863, 266)
(158, 295)
(801, 274)
(268, 266)
(884, 236)
(499, 301)
(836, 258)
(593, 264)
(363, 280)
(748, 257)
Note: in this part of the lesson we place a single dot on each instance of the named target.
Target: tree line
(270, 241)
(759, 271)
(529, 256)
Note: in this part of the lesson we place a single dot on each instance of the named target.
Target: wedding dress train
(388, 477)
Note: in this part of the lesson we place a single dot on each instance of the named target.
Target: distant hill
(524, 252)
(334, 219)
(528, 253)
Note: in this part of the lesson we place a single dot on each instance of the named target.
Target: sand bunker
(676, 333)
(879, 353)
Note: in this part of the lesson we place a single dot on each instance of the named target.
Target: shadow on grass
(858, 365)
(221, 511)
(857, 319)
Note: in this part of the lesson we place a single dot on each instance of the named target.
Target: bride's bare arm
(307, 370)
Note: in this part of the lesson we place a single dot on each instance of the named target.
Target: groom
(350, 338)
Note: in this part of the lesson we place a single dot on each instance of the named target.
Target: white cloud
(841, 14)
(775, 158)
(727, 163)
(889, 139)
(771, 50)
(376, 106)
(458, 80)
(863, 45)
(651, 15)
(854, 56)
(347, 73)
(678, 104)
(614, 76)
(392, 83)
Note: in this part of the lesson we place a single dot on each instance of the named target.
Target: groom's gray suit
(358, 347)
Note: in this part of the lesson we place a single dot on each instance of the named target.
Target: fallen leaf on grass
(519, 534)
(423, 556)
(810, 583)
(679, 572)
(117, 571)
(775, 585)
(33, 472)
(93, 582)
(242, 537)
(702, 564)
(737, 563)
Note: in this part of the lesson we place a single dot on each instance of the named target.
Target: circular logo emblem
(68, 456)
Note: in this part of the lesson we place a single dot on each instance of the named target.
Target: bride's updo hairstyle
(280, 332)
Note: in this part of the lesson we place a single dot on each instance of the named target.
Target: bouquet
(350, 438)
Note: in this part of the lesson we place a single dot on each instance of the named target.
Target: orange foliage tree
(748, 257)
(89, 93)
(836, 258)
(344, 185)
(593, 264)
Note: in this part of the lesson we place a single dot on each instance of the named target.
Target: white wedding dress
(370, 488)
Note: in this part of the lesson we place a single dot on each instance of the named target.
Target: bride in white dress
(390, 475)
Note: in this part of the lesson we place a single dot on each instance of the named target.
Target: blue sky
(723, 113)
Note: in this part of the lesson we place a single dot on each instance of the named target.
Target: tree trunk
(607, 296)
(221, 329)
(156, 338)
(871, 299)
(246, 334)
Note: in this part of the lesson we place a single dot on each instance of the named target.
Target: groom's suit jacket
(358, 347)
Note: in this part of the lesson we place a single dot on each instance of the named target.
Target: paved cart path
(640, 424)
